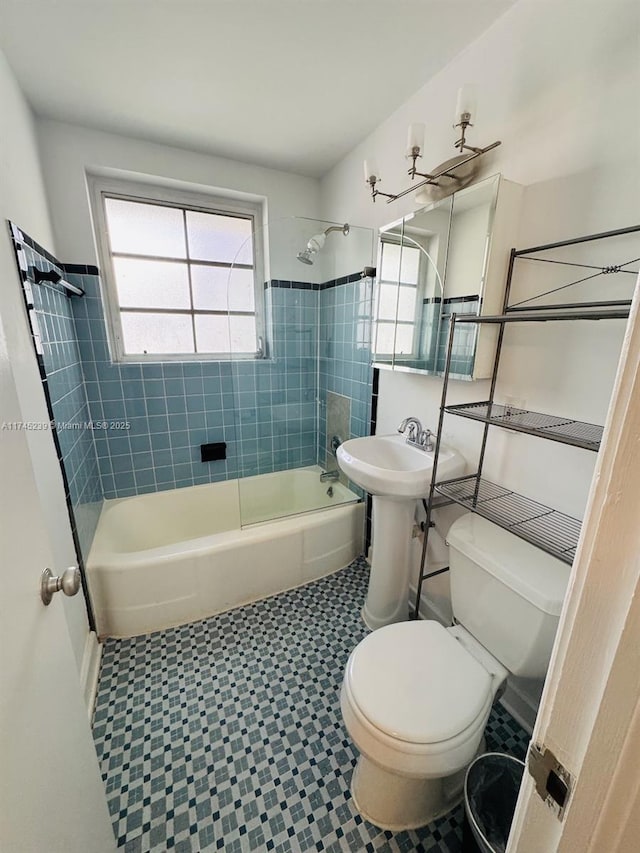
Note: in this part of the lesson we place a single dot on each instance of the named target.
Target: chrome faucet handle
(425, 439)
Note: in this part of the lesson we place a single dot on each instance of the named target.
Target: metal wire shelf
(542, 526)
(547, 314)
(564, 430)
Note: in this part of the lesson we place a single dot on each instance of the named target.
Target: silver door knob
(68, 582)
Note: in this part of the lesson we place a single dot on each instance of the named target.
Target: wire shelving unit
(541, 525)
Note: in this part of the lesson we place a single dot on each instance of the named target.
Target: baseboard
(520, 706)
(90, 671)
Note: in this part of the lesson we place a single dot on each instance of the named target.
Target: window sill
(187, 359)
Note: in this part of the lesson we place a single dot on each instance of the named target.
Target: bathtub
(169, 558)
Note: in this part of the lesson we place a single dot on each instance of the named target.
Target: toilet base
(396, 802)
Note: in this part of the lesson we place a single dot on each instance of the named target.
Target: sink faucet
(417, 437)
(413, 425)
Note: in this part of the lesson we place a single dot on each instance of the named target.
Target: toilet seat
(418, 760)
(415, 683)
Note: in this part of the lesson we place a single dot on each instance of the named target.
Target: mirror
(432, 263)
(470, 233)
(412, 257)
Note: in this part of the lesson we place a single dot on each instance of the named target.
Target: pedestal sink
(395, 474)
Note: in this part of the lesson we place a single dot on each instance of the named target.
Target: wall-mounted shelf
(548, 529)
(564, 430)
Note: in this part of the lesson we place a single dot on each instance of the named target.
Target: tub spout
(332, 476)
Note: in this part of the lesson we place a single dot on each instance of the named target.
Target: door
(51, 793)
(589, 715)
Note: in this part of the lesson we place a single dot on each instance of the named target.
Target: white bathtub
(169, 558)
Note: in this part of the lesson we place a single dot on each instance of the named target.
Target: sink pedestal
(396, 474)
(388, 595)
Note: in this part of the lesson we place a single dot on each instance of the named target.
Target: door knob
(68, 582)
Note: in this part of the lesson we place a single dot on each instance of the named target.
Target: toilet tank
(506, 593)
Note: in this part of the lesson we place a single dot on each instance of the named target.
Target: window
(398, 292)
(183, 273)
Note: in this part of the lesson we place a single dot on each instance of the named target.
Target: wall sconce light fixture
(449, 176)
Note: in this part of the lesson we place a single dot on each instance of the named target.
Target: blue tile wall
(463, 353)
(345, 352)
(287, 434)
(430, 330)
(154, 416)
(266, 410)
(126, 429)
(65, 381)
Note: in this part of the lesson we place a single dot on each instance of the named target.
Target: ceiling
(289, 84)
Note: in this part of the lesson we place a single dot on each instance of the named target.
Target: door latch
(553, 781)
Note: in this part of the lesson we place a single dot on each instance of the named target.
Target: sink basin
(387, 465)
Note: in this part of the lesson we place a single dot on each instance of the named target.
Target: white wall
(557, 82)
(466, 251)
(22, 200)
(68, 150)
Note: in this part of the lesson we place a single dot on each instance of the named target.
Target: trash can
(490, 792)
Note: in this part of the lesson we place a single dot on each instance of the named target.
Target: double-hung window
(183, 273)
(398, 295)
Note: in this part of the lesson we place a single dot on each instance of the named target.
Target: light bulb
(466, 102)
(415, 138)
(371, 171)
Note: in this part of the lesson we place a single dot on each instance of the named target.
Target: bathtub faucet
(331, 476)
(417, 437)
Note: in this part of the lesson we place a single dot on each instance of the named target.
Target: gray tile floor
(227, 735)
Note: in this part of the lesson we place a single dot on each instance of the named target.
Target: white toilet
(416, 696)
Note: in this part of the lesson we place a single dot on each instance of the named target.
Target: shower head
(317, 242)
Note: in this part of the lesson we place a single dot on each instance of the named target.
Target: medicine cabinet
(449, 257)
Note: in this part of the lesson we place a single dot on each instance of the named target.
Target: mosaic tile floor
(226, 734)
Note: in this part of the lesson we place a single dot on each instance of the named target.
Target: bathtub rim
(98, 547)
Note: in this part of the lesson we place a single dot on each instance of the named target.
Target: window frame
(101, 187)
(418, 287)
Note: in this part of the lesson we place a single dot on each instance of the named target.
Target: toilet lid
(416, 682)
